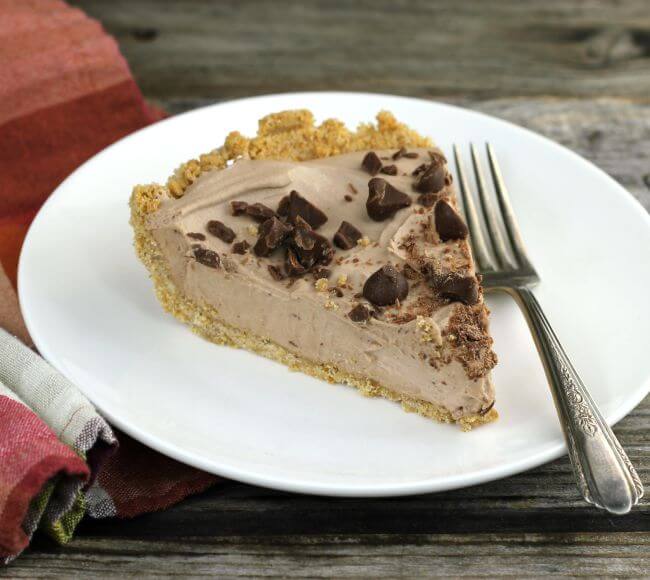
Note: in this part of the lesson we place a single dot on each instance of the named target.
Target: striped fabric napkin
(65, 94)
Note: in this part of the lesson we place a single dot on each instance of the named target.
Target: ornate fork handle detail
(603, 471)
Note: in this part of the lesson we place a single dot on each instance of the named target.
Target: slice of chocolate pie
(340, 254)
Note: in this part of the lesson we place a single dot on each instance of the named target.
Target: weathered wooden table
(577, 71)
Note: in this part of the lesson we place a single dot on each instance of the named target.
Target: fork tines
(505, 252)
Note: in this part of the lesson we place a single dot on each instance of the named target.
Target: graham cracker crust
(287, 135)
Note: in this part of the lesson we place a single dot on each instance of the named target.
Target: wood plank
(227, 49)
(343, 556)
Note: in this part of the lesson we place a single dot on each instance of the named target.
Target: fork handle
(604, 473)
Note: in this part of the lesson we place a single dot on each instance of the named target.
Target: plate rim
(293, 484)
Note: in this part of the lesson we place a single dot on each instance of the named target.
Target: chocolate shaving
(238, 207)
(301, 207)
(240, 247)
(221, 231)
(359, 313)
(207, 257)
(402, 152)
(384, 200)
(347, 197)
(371, 163)
(347, 236)
(259, 212)
(196, 236)
(386, 286)
(321, 273)
(449, 224)
(271, 235)
(389, 169)
(275, 272)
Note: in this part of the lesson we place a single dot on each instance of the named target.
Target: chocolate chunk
(196, 236)
(449, 225)
(292, 265)
(419, 169)
(389, 169)
(456, 287)
(271, 234)
(437, 158)
(371, 163)
(384, 200)
(259, 212)
(207, 257)
(399, 153)
(275, 272)
(299, 206)
(402, 152)
(359, 313)
(238, 207)
(311, 248)
(347, 197)
(221, 231)
(431, 180)
(240, 247)
(386, 286)
(283, 207)
(347, 235)
(428, 199)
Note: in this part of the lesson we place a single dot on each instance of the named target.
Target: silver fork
(604, 473)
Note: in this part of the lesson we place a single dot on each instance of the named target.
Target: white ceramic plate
(90, 308)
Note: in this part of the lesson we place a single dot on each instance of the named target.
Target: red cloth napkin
(65, 93)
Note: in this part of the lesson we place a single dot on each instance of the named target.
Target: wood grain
(233, 48)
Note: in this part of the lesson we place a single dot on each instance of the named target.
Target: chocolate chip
(431, 180)
(347, 197)
(359, 313)
(238, 207)
(428, 199)
(310, 247)
(384, 200)
(196, 236)
(456, 287)
(299, 206)
(386, 286)
(259, 212)
(207, 257)
(271, 234)
(275, 272)
(221, 231)
(346, 236)
(449, 224)
(292, 265)
(371, 163)
(283, 207)
(337, 291)
(389, 169)
(240, 247)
